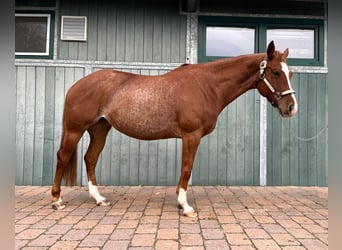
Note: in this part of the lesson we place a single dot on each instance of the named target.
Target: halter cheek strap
(277, 95)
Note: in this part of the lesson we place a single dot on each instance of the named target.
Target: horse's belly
(151, 117)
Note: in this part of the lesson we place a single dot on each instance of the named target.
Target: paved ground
(148, 218)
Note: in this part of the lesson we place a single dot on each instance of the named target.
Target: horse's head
(274, 82)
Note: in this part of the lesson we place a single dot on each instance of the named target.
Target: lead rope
(313, 137)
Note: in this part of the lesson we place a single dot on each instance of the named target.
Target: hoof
(190, 214)
(58, 205)
(103, 203)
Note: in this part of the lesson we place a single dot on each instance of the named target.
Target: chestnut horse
(183, 103)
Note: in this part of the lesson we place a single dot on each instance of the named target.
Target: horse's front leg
(98, 134)
(189, 149)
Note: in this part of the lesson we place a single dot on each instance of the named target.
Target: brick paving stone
(168, 234)
(300, 233)
(238, 239)
(273, 228)
(212, 234)
(147, 228)
(94, 240)
(116, 245)
(102, 229)
(76, 234)
(257, 233)
(44, 240)
(314, 228)
(143, 240)
(29, 234)
(30, 219)
(189, 228)
(65, 245)
(216, 244)
(313, 244)
(166, 245)
(122, 234)
(265, 244)
(58, 229)
(111, 220)
(128, 224)
(285, 239)
(209, 224)
(226, 219)
(85, 224)
(191, 240)
(232, 228)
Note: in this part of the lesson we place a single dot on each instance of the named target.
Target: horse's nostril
(291, 108)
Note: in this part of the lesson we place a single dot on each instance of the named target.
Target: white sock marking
(183, 201)
(93, 191)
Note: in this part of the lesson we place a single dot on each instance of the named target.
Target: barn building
(60, 41)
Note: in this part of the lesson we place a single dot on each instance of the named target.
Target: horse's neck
(235, 76)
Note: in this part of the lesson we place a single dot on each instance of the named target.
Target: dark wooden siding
(127, 31)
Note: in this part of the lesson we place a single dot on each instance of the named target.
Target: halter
(277, 95)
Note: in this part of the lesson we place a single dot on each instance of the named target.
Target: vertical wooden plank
(303, 132)
(134, 161)
(240, 139)
(249, 137)
(29, 125)
(124, 160)
(20, 124)
(213, 157)
(49, 150)
(222, 147)
(153, 162)
(157, 35)
(139, 33)
(129, 32)
(111, 31)
(312, 129)
(143, 162)
(120, 32)
(175, 39)
(148, 34)
(92, 30)
(166, 36)
(102, 32)
(83, 46)
(171, 162)
(39, 126)
(256, 139)
(231, 143)
(115, 157)
(59, 104)
(162, 151)
(321, 106)
(294, 152)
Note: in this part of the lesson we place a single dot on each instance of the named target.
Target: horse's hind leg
(189, 149)
(66, 157)
(98, 134)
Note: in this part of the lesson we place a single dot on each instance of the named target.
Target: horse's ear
(270, 50)
(285, 55)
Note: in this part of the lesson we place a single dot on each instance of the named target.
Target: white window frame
(47, 47)
(70, 38)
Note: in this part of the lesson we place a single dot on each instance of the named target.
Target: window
(33, 35)
(232, 36)
(229, 41)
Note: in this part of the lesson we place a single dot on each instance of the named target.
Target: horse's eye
(276, 73)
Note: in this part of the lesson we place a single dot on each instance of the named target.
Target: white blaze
(286, 71)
